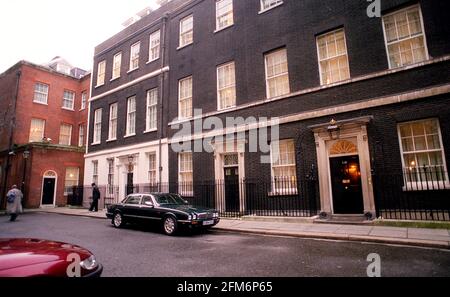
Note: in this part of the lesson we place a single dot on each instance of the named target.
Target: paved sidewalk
(435, 238)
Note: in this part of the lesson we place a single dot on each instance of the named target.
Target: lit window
(185, 98)
(155, 40)
(333, 59)
(277, 75)
(68, 100)
(152, 115)
(405, 38)
(72, 175)
(37, 130)
(134, 56)
(186, 31)
(112, 129)
(284, 177)
(422, 153)
(40, 93)
(268, 4)
(226, 86)
(224, 14)
(186, 176)
(98, 126)
(65, 134)
(117, 65)
(131, 116)
(101, 70)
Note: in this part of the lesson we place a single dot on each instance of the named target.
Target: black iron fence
(417, 194)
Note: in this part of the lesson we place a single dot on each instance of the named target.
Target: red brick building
(43, 115)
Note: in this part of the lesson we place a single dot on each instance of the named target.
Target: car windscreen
(171, 199)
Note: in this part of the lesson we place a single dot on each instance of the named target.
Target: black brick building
(363, 107)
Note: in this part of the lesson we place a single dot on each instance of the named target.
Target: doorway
(346, 185)
(48, 189)
(232, 189)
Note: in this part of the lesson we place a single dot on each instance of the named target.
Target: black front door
(346, 183)
(232, 189)
(48, 192)
(130, 184)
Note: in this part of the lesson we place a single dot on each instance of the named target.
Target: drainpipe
(161, 97)
(11, 135)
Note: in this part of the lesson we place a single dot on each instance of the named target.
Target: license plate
(208, 223)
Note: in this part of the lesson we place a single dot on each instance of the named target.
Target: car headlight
(89, 263)
(194, 216)
(189, 217)
(215, 215)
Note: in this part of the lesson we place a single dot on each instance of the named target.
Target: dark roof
(142, 23)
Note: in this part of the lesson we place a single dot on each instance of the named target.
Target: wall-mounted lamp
(334, 129)
(130, 163)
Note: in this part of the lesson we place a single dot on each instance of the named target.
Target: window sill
(111, 140)
(98, 86)
(426, 186)
(151, 61)
(68, 109)
(227, 108)
(81, 109)
(130, 135)
(150, 131)
(114, 79)
(222, 29)
(132, 70)
(40, 103)
(184, 46)
(96, 143)
(270, 8)
(284, 192)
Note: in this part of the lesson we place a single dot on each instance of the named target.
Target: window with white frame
(186, 177)
(277, 74)
(155, 42)
(152, 111)
(185, 98)
(40, 93)
(98, 126)
(284, 176)
(101, 71)
(81, 142)
(333, 58)
(152, 173)
(186, 31)
(111, 176)
(68, 100)
(134, 56)
(83, 100)
(95, 172)
(65, 134)
(268, 4)
(37, 130)
(117, 65)
(224, 14)
(226, 86)
(405, 37)
(71, 180)
(131, 116)
(112, 128)
(422, 152)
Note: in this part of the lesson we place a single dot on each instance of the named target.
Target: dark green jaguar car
(171, 211)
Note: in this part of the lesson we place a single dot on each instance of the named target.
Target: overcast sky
(38, 30)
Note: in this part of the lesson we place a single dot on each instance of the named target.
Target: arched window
(343, 147)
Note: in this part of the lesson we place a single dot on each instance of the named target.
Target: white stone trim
(125, 148)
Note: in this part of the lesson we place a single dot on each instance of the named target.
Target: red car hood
(24, 252)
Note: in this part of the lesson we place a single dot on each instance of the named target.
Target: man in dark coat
(95, 198)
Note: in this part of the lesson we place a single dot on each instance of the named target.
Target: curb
(69, 214)
(350, 238)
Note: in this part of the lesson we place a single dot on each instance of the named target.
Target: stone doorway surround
(330, 135)
(222, 149)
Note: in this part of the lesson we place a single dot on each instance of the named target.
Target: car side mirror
(149, 203)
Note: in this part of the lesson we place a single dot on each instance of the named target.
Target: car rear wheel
(170, 226)
(118, 221)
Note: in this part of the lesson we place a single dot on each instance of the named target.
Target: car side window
(133, 200)
(146, 199)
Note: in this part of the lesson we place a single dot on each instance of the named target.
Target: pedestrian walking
(95, 198)
(14, 203)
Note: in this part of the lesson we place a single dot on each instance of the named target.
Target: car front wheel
(170, 225)
(118, 221)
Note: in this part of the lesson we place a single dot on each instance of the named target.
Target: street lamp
(26, 156)
(334, 129)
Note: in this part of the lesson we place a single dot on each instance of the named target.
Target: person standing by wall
(14, 203)
(95, 198)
